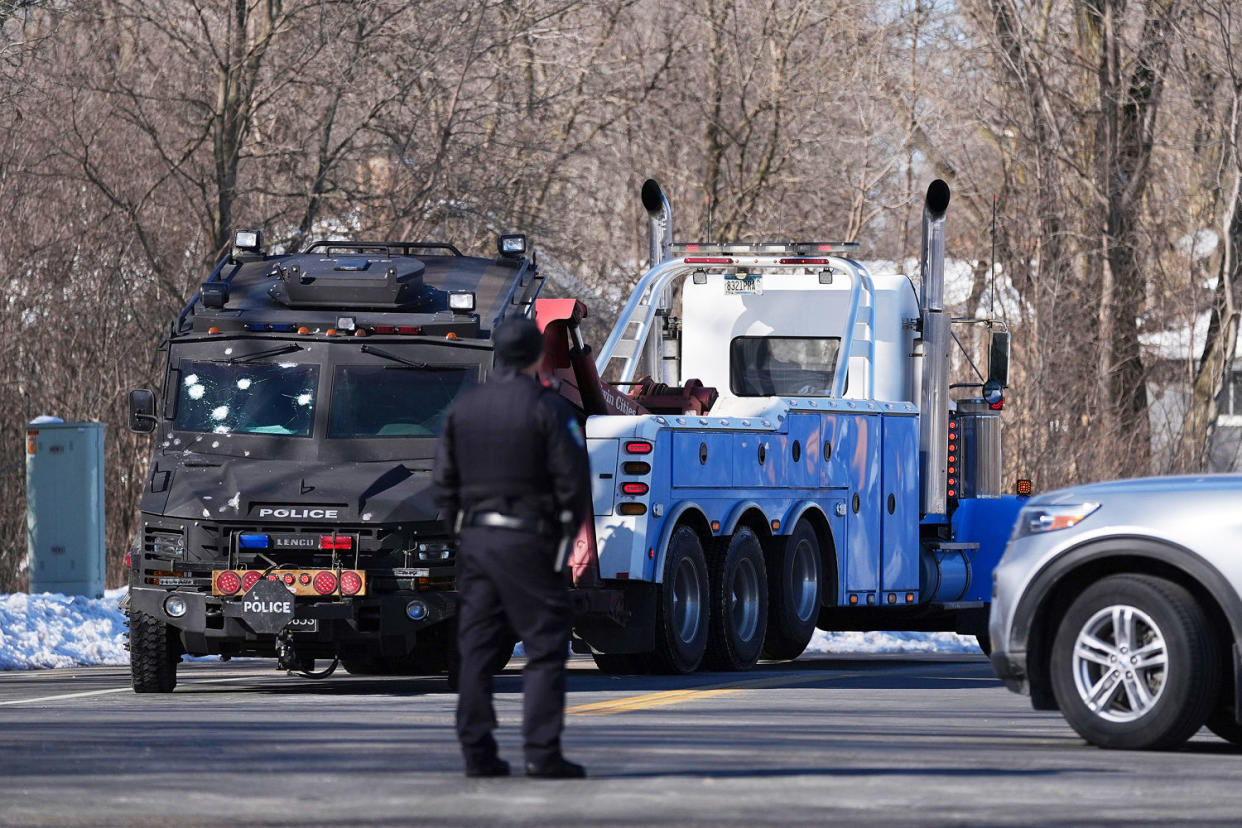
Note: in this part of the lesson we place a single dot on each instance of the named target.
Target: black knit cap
(518, 342)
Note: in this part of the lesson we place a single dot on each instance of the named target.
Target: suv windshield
(765, 366)
(392, 401)
(256, 398)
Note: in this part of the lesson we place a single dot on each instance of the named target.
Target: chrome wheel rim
(1120, 663)
(805, 580)
(687, 598)
(744, 600)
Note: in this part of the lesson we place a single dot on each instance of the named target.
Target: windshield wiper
(283, 349)
(409, 363)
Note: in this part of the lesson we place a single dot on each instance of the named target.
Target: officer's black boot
(491, 766)
(556, 768)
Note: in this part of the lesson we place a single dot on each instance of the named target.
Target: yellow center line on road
(668, 697)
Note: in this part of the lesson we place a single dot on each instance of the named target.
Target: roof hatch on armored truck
(354, 282)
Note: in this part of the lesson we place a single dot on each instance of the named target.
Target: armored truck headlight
(416, 610)
(175, 606)
(462, 301)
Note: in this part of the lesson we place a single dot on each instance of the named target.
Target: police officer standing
(511, 464)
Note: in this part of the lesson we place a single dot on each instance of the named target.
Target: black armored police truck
(287, 511)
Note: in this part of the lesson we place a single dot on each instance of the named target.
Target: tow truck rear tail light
(638, 447)
(634, 488)
(325, 582)
(336, 542)
(228, 582)
(351, 582)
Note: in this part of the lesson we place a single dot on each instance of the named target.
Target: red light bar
(804, 261)
(384, 329)
(708, 260)
(336, 542)
(638, 447)
(634, 488)
(409, 330)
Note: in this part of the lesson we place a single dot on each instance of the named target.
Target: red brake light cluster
(228, 583)
(351, 582)
(638, 447)
(309, 582)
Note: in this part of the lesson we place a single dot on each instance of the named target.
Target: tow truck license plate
(750, 285)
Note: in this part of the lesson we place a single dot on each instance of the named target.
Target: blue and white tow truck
(795, 461)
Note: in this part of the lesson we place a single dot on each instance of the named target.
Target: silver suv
(1118, 604)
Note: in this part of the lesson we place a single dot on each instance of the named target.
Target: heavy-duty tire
(623, 664)
(795, 582)
(1134, 664)
(154, 651)
(682, 606)
(739, 613)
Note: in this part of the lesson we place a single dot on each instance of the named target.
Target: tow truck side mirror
(142, 419)
(998, 359)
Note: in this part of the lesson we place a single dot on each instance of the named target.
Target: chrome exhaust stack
(934, 403)
(661, 350)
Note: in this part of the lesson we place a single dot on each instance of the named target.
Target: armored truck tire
(795, 582)
(739, 603)
(1135, 664)
(682, 606)
(154, 652)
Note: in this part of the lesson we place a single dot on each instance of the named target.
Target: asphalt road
(823, 740)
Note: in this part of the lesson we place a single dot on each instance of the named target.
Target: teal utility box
(65, 508)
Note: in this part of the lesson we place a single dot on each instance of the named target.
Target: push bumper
(212, 624)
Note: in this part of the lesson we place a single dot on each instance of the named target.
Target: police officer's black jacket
(512, 446)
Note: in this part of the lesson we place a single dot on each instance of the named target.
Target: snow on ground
(40, 631)
(49, 630)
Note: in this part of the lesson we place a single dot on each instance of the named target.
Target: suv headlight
(1037, 519)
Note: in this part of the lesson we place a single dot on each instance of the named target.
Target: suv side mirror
(998, 359)
(142, 419)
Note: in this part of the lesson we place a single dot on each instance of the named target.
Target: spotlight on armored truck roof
(513, 244)
(248, 240)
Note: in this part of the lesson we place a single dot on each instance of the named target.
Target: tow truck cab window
(247, 398)
(766, 366)
(394, 401)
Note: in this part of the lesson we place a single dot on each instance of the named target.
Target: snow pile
(891, 642)
(49, 630)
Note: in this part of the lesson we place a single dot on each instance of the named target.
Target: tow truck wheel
(154, 651)
(623, 664)
(681, 609)
(739, 614)
(1134, 664)
(796, 584)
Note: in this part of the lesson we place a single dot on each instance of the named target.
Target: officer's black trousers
(505, 579)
